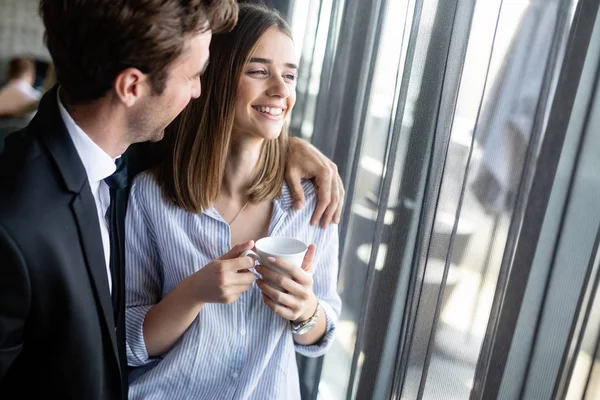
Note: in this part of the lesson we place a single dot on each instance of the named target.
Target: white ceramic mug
(281, 248)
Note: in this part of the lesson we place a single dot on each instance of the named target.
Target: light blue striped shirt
(231, 351)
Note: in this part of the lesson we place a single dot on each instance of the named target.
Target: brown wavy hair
(92, 41)
(198, 140)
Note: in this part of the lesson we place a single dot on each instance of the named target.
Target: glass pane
(508, 51)
(357, 249)
(310, 24)
(585, 377)
(495, 113)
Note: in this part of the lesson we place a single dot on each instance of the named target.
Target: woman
(212, 330)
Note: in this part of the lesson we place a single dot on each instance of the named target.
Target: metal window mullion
(351, 60)
(524, 185)
(589, 297)
(457, 50)
(305, 69)
(351, 131)
(328, 69)
(343, 102)
(433, 77)
(332, 92)
(594, 366)
(454, 41)
(385, 191)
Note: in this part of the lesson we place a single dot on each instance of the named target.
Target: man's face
(154, 113)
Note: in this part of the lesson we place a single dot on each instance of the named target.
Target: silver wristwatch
(303, 327)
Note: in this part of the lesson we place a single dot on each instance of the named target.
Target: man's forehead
(196, 50)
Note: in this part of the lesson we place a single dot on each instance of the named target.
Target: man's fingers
(294, 181)
(237, 250)
(338, 212)
(335, 198)
(323, 182)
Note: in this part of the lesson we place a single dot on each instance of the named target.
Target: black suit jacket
(57, 329)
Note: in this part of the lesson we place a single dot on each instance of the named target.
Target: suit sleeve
(15, 301)
(143, 274)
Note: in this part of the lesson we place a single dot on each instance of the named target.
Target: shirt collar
(97, 163)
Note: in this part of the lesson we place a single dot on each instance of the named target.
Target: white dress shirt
(98, 165)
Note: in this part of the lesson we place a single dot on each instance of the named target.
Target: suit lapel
(84, 209)
(51, 129)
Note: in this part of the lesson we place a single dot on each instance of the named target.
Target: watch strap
(301, 328)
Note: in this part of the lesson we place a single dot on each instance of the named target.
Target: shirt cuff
(320, 348)
(137, 354)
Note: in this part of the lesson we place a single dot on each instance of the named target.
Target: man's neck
(99, 122)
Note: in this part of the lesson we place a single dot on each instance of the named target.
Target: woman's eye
(258, 72)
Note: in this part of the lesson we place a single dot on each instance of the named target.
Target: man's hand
(306, 161)
(226, 278)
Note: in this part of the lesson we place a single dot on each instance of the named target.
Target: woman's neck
(242, 157)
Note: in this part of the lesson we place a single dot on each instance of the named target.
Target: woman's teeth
(270, 110)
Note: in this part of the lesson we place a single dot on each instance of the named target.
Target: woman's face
(267, 87)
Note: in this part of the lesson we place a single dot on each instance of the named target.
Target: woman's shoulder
(309, 188)
(144, 182)
(146, 189)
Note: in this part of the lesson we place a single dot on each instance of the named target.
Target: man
(125, 70)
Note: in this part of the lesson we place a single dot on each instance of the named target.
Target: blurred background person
(18, 95)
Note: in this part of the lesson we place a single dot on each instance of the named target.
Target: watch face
(301, 330)
(303, 327)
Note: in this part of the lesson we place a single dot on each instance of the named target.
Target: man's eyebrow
(267, 61)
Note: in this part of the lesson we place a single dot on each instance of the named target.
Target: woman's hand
(304, 161)
(296, 302)
(220, 281)
(225, 279)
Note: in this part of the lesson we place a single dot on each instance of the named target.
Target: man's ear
(130, 85)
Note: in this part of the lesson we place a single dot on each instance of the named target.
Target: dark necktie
(117, 184)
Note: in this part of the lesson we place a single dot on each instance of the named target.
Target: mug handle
(253, 255)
